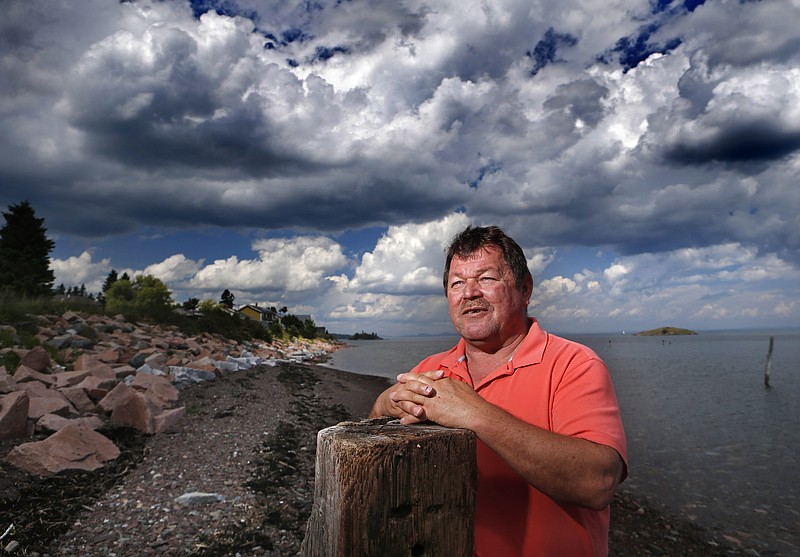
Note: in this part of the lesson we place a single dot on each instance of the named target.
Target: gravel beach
(235, 478)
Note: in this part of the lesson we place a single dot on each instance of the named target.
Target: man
(551, 447)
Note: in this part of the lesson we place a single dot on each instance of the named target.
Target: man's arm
(567, 469)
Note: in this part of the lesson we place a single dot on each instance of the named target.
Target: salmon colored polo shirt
(560, 386)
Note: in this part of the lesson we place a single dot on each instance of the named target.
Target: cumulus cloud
(638, 128)
(293, 264)
(80, 270)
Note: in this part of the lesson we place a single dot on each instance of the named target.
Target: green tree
(110, 279)
(25, 253)
(144, 296)
(119, 296)
(151, 292)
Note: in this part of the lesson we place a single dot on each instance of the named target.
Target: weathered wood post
(769, 361)
(388, 490)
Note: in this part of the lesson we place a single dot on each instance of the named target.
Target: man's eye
(488, 279)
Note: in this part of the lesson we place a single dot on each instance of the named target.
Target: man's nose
(472, 289)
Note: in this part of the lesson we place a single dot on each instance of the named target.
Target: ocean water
(706, 440)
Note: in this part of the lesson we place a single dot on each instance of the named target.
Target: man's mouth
(472, 310)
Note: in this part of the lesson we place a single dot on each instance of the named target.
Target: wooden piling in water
(388, 490)
(769, 361)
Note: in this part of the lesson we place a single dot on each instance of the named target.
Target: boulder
(54, 422)
(97, 387)
(60, 342)
(24, 373)
(185, 376)
(116, 395)
(36, 359)
(85, 362)
(123, 371)
(41, 405)
(71, 448)
(108, 356)
(14, 415)
(79, 399)
(158, 386)
(70, 378)
(7, 383)
(168, 418)
(135, 409)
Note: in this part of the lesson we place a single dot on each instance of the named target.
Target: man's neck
(483, 359)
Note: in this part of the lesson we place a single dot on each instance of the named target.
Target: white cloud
(294, 264)
(81, 270)
(174, 268)
(408, 258)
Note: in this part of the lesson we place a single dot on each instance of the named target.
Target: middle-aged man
(551, 446)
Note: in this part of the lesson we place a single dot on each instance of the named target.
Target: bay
(707, 441)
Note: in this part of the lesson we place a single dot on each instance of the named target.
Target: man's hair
(471, 240)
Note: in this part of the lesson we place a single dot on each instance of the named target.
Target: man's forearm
(567, 469)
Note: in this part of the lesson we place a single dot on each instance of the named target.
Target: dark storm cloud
(741, 142)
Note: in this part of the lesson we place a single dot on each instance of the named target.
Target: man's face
(485, 305)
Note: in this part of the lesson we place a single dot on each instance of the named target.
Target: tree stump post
(383, 489)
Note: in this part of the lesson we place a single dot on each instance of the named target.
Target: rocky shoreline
(235, 476)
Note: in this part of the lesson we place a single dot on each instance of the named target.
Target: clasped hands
(430, 396)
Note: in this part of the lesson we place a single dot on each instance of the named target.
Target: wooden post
(769, 361)
(388, 490)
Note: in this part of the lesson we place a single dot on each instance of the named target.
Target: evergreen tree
(227, 299)
(110, 279)
(25, 253)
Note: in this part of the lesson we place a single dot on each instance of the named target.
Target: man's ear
(527, 289)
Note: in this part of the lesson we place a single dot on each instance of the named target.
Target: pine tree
(227, 299)
(25, 253)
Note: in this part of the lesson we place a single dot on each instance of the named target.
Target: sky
(320, 155)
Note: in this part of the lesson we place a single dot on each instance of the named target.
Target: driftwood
(384, 490)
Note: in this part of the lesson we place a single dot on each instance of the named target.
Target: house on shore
(265, 316)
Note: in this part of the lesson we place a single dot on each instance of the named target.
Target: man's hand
(429, 396)
(439, 399)
(404, 399)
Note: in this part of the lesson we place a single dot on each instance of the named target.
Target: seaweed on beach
(282, 474)
(42, 509)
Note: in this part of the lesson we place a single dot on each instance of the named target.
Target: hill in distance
(665, 331)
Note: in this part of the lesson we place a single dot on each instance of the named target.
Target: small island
(363, 335)
(664, 331)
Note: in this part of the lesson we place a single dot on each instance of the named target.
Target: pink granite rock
(136, 410)
(36, 359)
(79, 399)
(108, 357)
(97, 387)
(70, 378)
(159, 386)
(24, 373)
(116, 395)
(54, 422)
(7, 383)
(41, 405)
(14, 415)
(72, 448)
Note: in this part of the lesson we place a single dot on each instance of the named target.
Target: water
(706, 440)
